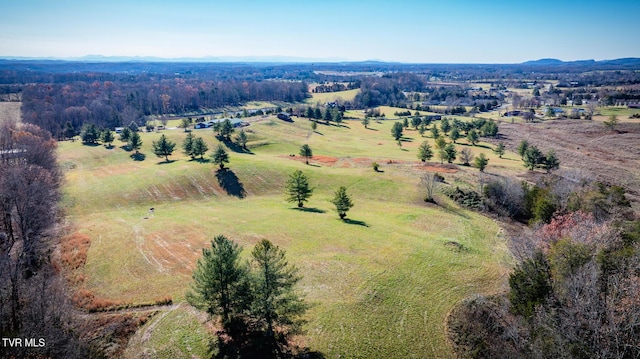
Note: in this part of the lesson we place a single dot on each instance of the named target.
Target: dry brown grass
(110, 333)
(73, 250)
(86, 300)
(588, 147)
(10, 111)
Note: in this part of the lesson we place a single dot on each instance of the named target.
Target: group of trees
(92, 134)
(392, 90)
(533, 158)
(193, 146)
(448, 152)
(299, 191)
(330, 113)
(574, 294)
(551, 196)
(256, 302)
(335, 87)
(453, 128)
(33, 302)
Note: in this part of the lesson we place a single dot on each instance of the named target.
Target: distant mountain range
(102, 58)
(546, 62)
(556, 62)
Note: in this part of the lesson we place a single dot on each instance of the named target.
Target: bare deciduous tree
(429, 182)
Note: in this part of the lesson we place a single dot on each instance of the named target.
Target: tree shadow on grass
(235, 148)
(475, 146)
(309, 209)
(453, 209)
(257, 347)
(230, 183)
(200, 160)
(138, 156)
(353, 221)
(372, 129)
(406, 139)
(166, 162)
(242, 340)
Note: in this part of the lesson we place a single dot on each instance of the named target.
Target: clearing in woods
(10, 111)
(381, 283)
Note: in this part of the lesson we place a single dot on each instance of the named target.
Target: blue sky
(468, 31)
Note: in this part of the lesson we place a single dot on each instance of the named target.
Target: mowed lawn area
(380, 284)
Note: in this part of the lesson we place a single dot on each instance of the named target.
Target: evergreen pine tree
(199, 147)
(187, 145)
(163, 147)
(220, 281)
(424, 151)
(298, 189)
(342, 201)
(220, 156)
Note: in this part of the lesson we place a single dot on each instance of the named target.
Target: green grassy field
(381, 284)
(322, 98)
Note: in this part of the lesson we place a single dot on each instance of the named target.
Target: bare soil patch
(325, 160)
(599, 154)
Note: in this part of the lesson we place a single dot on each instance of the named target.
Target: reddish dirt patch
(362, 160)
(325, 160)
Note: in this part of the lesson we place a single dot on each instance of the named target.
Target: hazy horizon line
(266, 59)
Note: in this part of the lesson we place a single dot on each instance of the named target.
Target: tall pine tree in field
(199, 147)
(424, 151)
(306, 152)
(241, 139)
(187, 145)
(220, 281)
(135, 141)
(276, 306)
(342, 201)
(163, 147)
(298, 189)
(107, 137)
(220, 156)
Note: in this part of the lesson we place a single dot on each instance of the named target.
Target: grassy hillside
(381, 283)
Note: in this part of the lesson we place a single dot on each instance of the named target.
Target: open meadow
(10, 111)
(380, 283)
(325, 97)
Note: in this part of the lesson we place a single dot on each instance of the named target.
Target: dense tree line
(117, 103)
(33, 303)
(335, 87)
